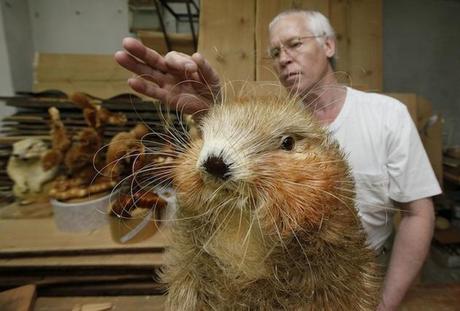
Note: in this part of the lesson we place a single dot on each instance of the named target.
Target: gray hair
(317, 23)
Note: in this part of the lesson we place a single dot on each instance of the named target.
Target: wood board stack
(6, 184)
(33, 251)
(32, 119)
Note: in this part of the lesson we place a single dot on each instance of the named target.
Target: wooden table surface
(122, 303)
(420, 298)
(40, 238)
(28, 236)
(435, 297)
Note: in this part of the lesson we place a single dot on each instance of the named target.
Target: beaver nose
(217, 167)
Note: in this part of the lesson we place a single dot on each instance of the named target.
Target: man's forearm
(410, 248)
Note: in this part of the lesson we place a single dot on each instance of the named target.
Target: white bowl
(81, 216)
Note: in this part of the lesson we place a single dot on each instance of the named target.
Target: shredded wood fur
(281, 231)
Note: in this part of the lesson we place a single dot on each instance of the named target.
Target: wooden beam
(365, 46)
(77, 67)
(227, 37)
(339, 19)
(18, 299)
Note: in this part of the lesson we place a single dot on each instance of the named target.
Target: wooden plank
(420, 297)
(23, 237)
(180, 42)
(39, 209)
(126, 303)
(77, 67)
(102, 89)
(433, 297)
(448, 236)
(146, 287)
(265, 12)
(13, 139)
(140, 260)
(71, 278)
(18, 299)
(339, 19)
(365, 46)
(454, 178)
(98, 75)
(227, 37)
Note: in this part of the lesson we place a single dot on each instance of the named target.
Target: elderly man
(387, 158)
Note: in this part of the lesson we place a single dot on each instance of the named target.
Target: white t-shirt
(387, 158)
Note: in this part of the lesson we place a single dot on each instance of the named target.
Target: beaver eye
(287, 143)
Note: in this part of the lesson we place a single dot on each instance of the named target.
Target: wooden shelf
(41, 236)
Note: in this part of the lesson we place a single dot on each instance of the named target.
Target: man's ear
(329, 47)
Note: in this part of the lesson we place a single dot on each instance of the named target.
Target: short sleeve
(410, 172)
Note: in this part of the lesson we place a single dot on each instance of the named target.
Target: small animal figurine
(266, 216)
(25, 167)
(79, 155)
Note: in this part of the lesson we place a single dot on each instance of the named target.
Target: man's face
(300, 61)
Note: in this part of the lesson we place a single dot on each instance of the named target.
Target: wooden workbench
(420, 298)
(88, 268)
(34, 251)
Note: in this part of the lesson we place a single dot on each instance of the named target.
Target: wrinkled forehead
(288, 27)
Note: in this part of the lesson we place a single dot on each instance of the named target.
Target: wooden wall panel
(50, 67)
(365, 46)
(338, 16)
(234, 38)
(227, 37)
(99, 89)
(265, 11)
(98, 75)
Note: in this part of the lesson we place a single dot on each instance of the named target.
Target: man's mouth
(292, 76)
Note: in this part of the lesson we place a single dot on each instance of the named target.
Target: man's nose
(284, 57)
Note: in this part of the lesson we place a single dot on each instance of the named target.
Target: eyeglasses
(291, 46)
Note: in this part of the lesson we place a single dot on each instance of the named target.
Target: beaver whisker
(316, 189)
(280, 238)
(221, 223)
(357, 200)
(246, 238)
(255, 215)
(294, 235)
(197, 216)
(179, 138)
(164, 139)
(278, 232)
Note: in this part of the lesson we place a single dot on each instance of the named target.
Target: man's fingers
(184, 103)
(139, 68)
(148, 56)
(148, 89)
(181, 65)
(207, 73)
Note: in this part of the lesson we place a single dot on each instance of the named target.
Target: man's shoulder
(376, 101)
